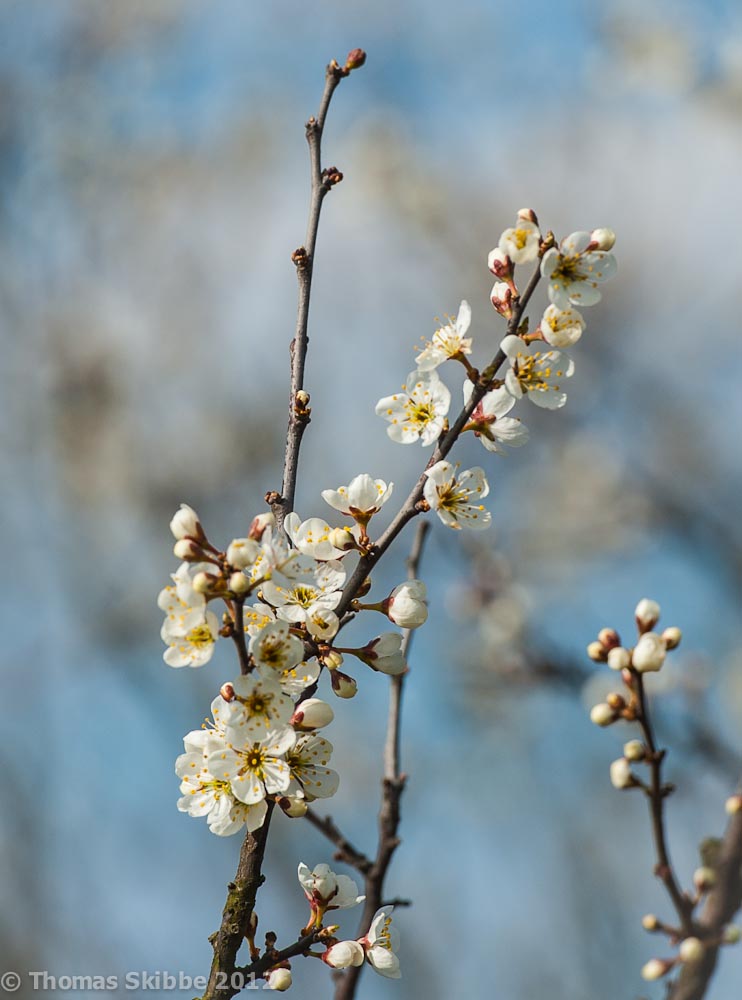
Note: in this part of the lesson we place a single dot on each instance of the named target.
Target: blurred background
(154, 182)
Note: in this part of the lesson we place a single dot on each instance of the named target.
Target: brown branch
(242, 892)
(273, 958)
(657, 794)
(345, 850)
(392, 787)
(722, 902)
(303, 258)
(238, 909)
(409, 508)
(238, 637)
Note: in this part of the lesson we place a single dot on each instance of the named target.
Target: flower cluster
(573, 270)
(327, 891)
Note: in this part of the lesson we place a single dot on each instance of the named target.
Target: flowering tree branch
(392, 787)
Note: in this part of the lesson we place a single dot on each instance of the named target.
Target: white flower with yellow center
(189, 630)
(256, 617)
(298, 600)
(417, 413)
(310, 775)
(275, 648)
(521, 242)
(361, 498)
(294, 680)
(311, 537)
(257, 706)
(451, 496)
(448, 341)
(561, 327)
(332, 892)
(277, 558)
(203, 794)
(535, 373)
(381, 943)
(575, 270)
(255, 769)
(490, 422)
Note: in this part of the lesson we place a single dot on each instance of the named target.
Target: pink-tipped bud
(604, 239)
(501, 297)
(647, 614)
(227, 692)
(312, 714)
(528, 215)
(500, 264)
(609, 637)
(672, 636)
(259, 523)
(356, 58)
(343, 685)
(186, 524)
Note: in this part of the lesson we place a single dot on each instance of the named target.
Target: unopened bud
(704, 878)
(293, 806)
(242, 552)
(188, 550)
(647, 614)
(528, 215)
(343, 685)
(501, 297)
(604, 239)
(671, 637)
(259, 523)
(596, 651)
(691, 950)
(312, 714)
(186, 524)
(227, 692)
(356, 58)
(332, 659)
(649, 653)
(279, 979)
(731, 934)
(619, 658)
(239, 584)
(733, 805)
(634, 750)
(602, 714)
(650, 922)
(203, 583)
(656, 968)
(344, 954)
(341, 538)
(302, 398)
(500, 264)
(616, 701)
(609, 637)
(621, 776)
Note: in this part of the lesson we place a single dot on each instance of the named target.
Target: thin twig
(345, 850)
(238, 636)
(242, 892)
(392, 787)
(303, 258)
(657, 794)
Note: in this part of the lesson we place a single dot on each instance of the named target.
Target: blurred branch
(345, 850)
(392, 787)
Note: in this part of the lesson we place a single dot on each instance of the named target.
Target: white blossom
(521, 242)
(561, 327)
(344, 954)
(361, 498)
(535, 373)
(333, 892)
(279, 979)
(321, 623)
(254, 769)
(381, 943)
(451, 496)
(417, 413)
(384, 653)
(294, 680)
(574, 272)
(242, 552)
(311, 537)
(649, 653)
(186, 524)
(406, 605)
(621, 776)
(310, 775)
(490, 422)
(258, 705)
(296, 600)
(190, 630)
(448, 341)
(275, 648)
